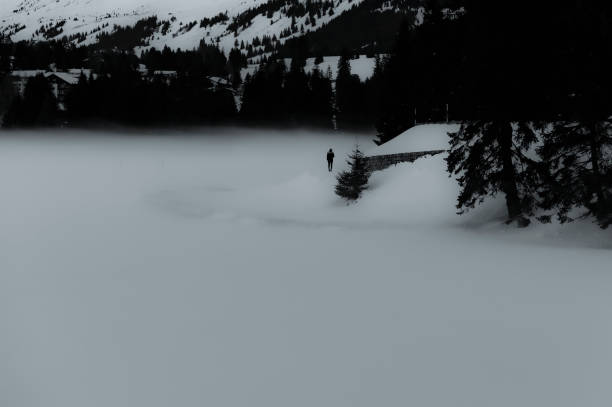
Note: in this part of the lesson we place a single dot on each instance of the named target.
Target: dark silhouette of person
(330, 159)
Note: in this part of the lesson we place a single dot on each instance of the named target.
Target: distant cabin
(61, 82)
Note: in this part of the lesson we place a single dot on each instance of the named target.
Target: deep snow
(183, 270)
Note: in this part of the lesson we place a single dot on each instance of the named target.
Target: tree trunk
(596, 179)
(508, 179)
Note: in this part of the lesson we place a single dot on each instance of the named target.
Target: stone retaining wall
(380, 162)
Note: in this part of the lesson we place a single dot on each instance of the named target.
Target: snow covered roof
(217, 80)
(86, 72)
(427, 137)
(28, 73)
(165, 73)
(69, 78)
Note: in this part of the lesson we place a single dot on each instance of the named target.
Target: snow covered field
(183, 270)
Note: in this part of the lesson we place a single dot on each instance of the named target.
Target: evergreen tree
(415, 81)
(263, 96)
(353, 182)
(351, 105)
(504, 93)
(12, 118)
(320, 108)
(433, 12)
(577, 159)
(489, 157)
(37, 108)
(577, 150)
(236, 61)
(397, 95)
(7, 93)
(296, 91)
(78, 99)
(344, 66)
(344, 84)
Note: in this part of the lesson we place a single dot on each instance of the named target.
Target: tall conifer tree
(489, 157)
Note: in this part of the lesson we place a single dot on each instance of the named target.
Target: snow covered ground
(219, 269)
(362, 67)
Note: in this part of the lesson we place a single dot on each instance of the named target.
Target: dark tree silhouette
(351, 103)
(38, 107)
(578, 169)
(352, 182)
(489, 157)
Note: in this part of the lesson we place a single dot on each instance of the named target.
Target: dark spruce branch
(577, 160)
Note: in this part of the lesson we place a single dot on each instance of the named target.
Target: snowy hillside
(257, 27)
(180, 24)
(24, 17)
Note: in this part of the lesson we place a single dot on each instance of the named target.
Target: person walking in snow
(330, 160)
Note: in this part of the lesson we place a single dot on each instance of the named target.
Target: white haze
(181, 270)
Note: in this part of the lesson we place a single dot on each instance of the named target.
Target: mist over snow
(218, 268)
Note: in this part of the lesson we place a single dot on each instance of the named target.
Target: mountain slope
(180, 24)
(46, 19)
(257, 27)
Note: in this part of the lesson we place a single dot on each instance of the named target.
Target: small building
(219, 82)
(166, 76)
(61, 83)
